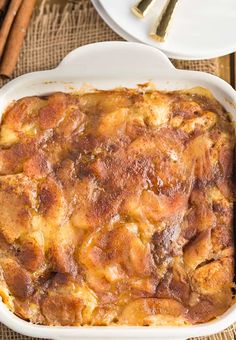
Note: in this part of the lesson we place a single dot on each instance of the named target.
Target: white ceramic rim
(95, 63)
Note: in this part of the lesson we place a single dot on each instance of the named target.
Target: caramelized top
(116, 208)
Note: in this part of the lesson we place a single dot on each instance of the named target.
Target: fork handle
(142, 8)
(161, 28)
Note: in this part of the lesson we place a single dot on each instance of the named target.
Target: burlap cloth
(55, 31)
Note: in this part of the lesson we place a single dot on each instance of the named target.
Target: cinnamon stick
(3, 4)
(7, 22)
(16, 37)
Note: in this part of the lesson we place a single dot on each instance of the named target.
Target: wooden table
(228, 68)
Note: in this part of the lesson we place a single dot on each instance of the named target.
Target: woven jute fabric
(55, 31)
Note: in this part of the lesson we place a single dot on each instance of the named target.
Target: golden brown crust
(116, 207)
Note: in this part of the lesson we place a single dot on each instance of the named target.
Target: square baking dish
(104, 66)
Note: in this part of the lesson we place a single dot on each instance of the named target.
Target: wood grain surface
(224, 63)
(228, 68)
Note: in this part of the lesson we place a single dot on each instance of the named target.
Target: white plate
(200, 28)
(111, 23)
(108, 65)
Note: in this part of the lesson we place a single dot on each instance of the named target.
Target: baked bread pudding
(116, 208)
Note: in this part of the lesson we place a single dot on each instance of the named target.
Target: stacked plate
(200, 29)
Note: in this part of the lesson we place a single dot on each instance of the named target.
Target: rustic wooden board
(224, 66)
(228, 69)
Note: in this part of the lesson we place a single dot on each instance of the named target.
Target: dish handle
(114, 57)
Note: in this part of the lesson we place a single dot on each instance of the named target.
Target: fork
(161, 28)
(142, 8)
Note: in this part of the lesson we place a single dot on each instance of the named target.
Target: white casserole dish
(108, 65)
